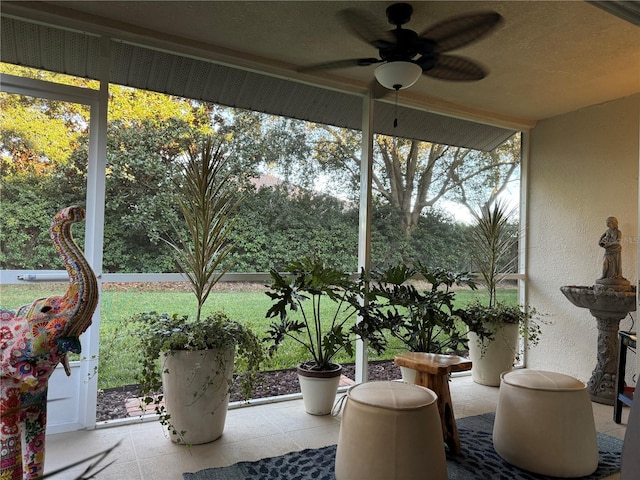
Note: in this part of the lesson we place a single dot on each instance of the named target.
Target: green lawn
(117, 360)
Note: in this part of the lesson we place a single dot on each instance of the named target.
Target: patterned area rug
(478, 460)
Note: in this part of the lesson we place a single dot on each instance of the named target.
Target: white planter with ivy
(408, 374)
(196, 393)
(187, 370)
(493, 357)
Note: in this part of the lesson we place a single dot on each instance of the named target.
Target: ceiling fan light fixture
(398, 75)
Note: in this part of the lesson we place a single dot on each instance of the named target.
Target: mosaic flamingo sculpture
(33, 340)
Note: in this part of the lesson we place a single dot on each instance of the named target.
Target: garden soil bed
(111, 402)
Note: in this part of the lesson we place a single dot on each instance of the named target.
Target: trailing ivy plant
(486, 321)
(162, 334)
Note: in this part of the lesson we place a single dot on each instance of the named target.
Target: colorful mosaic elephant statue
(33, 340)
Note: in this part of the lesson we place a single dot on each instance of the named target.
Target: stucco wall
(583, 168)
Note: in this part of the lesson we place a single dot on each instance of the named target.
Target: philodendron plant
(423, 320)
(316, 306)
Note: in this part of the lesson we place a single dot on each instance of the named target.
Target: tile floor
(254, 432)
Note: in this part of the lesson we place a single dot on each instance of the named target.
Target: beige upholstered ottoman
(544, 424)
(390, 430)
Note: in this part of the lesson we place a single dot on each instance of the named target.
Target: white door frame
(72, 400)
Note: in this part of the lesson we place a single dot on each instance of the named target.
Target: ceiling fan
(405, 55)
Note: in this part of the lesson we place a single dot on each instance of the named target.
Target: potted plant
(423, 320)
(494, 334)
(494, 327)
(197, 354)
(315, 305)
(192, 360)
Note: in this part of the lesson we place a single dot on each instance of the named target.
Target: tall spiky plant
(208, 199)
(493, 240)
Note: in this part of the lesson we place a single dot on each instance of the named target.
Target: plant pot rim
(309, 369)
(195, 351)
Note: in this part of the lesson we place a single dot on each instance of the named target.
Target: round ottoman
(544, 424)
(390, 430)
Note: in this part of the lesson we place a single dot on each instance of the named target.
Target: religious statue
(610, 241)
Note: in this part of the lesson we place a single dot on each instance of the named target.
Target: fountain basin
(609, 302)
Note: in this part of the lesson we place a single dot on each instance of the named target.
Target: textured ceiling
(547, 59)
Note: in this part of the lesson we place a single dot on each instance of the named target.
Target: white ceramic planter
(408, 374)
(196, 393)
(319, 389)
(491, 358)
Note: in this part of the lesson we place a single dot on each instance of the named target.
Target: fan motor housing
(399, 13)
(406, 48)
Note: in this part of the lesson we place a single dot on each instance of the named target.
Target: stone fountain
(609, 301)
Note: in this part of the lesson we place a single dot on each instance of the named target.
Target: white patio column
(364, 228)
(94, 233)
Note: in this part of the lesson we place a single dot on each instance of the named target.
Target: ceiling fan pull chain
(395, 120)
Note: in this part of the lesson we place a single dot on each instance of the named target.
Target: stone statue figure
(610, 241)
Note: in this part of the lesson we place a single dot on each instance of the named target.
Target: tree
(32, 187)
(262, 142)
(412, 175)
(28, 205)
(437, 241)
(60, 125)
(501, 168)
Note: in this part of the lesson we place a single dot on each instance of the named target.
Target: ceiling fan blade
(459, 31)
(352, 62)
(453, 68)
(368, 27)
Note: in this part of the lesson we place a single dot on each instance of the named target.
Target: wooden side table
(433, 372)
